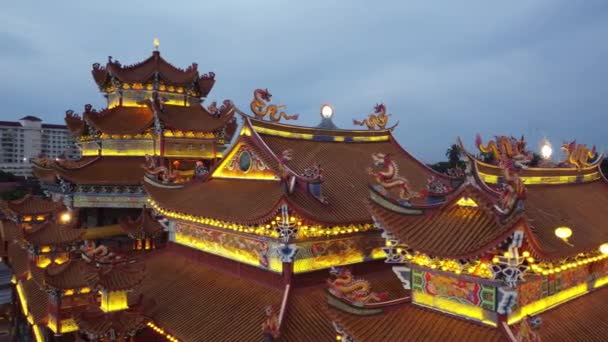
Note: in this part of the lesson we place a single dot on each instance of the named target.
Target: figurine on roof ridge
(390, 178)
(355, 291)
(378, 119)
(261, 109)
(505, 149)
(577, 155)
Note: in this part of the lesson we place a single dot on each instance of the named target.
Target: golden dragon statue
(578, 155)
(271, 324)
(378, 119)
(346, 287)
(262, 109)
(513, 191)
(390, 178)
(507, 150)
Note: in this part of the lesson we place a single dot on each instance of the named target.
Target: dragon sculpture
(379, 119)
(578, 155)
(100, 254)
(390, 178)
(513, 191)
(507, 149)
(356, 291)
(153, 167)
(261, 108)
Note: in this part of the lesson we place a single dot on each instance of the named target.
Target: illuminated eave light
(466, 202)
(65, 217)
(604, 248)
(564, 233)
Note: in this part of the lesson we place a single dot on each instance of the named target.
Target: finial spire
(156, 44)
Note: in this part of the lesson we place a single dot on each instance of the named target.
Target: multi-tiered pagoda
(154, 119)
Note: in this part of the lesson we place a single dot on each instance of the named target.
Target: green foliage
(535, 159)
(7, 177)
(13, 194)
(604, 167)
(453, 154)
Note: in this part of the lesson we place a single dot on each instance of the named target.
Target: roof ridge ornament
(577, 155)
(262, 108)
(378, 119)
(389, 178)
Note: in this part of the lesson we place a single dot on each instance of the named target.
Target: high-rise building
(30, 138)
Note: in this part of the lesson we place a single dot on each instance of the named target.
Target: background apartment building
(30, 138)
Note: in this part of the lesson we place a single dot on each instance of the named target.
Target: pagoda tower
(154, 118)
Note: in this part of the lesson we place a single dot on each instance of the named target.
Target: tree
(453, 153)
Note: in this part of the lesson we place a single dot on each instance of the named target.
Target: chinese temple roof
(145, 226)
(53, 233)
(119, 277)
(146, 71)
(413, 323)
(10, 231)
(69, 275)
(451, 229)
(343, 156)
(136, 120)
(37, 300)
(19, 259)
(98, 324)
(31, 205)
(95, 170)
(582, 319)
(228, 308)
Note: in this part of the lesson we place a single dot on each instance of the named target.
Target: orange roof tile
(197, 303)
(69, 275)
(105, 171)
(448, 230)
(53, 233)
(98, 324)
(145, 226)
(581, 207)
(195, 118)
(124, 276)
(582, 319)
(32, 205)
(37, 300)
(408, 322)
(120, 120)
(247, 201)
(19, 259)
(10, 231)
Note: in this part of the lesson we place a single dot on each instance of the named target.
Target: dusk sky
(457, 68)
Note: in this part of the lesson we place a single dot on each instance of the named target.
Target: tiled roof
(305, 320)
(116, 277)
(408, 322)
(581, 207)
(582, 319)
(97, 323)
(224, 199)
(449, 230)
(121, 120)
(145, 71)
(10, 231)
(32, 205)
(18, 259)
(69, 275)
(53, 233)
(345, 179)
(344, 167)
(37, 300)
(195, 118)
(145, 226)
(31, 118)
(106, 171)
(199, 303)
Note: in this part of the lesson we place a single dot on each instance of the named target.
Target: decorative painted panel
(325, 254)
(459, 290)
(244, 162)
(109, 201)
(250, 251)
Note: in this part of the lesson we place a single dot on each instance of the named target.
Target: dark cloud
(533, 67)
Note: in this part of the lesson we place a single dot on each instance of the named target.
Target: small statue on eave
(389, 178)
(513, 191)
(379, 119)
(271, 325)
(577, 155)
(200, 170)
(262, 109)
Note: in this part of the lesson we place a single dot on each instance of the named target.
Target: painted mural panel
(325, 254)
(459, 290)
